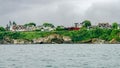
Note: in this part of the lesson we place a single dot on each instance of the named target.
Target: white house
(104, 25)
(30, 28)
(78, 25)
(48, 28)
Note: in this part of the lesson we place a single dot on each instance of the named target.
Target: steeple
(10, 23)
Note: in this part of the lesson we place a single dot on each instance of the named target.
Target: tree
(30, 24)
(14, 23)
(86, 23)
(115, 25)
(2, 29)
(48, 25)
(59, 28)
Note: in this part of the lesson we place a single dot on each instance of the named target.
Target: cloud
(58, 12)
(104, 12)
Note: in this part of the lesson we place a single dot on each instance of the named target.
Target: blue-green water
(60, 56)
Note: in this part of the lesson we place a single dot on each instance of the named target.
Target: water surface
(60, 56)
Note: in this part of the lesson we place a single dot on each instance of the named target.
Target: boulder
(67, 39)
(98, 41)
(21, 41)
(86, 41)
(113, 41)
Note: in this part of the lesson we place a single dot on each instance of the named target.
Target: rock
(38, 41)
(53, 39)
(86, 41)
(67, 39)
(18, 41)
(113, 41)
(21, 41)
(97, 41)
(7, 40)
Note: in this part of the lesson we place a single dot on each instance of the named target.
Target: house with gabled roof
(104, 25)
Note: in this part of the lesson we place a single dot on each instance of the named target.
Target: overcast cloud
(59, 12)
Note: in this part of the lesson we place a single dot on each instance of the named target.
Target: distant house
(104, 25)
(30, 28)
(18, 28)
(47, 28)
(39, 27)
(12, 26)
(78, 25)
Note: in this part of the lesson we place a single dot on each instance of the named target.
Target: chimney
(76, 25)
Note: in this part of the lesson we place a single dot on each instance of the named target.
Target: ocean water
(60, 56)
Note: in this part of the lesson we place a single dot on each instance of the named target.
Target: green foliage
(84, 34)
(115, 34)
(59, 28)
(86, 23)
(80, 35)
(1, 35)
(48, 25)
(2, 29)
(33, 35)
(15, 35)
(30, 24)
(115, 25)
(14, 23)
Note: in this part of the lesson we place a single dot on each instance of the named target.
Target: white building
(48, 28)
(78, 25)
(104, 25)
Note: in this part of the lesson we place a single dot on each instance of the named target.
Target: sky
(59, 12)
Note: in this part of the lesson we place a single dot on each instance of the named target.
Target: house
(12, 26)
(39, 27)
(47, 28)
(104, 25)
(78, 25)
(18, 28)
(72, 28)
(31, 28)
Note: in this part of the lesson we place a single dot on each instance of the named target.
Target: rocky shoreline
(56, 39)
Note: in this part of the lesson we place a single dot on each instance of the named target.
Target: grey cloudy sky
(59, 12)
